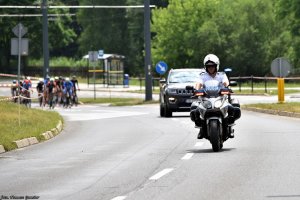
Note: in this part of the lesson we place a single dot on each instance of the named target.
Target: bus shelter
(107, 70)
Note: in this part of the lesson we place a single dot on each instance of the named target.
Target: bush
(59, 62)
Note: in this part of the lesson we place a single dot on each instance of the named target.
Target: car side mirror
(162, 81)
(233, 83)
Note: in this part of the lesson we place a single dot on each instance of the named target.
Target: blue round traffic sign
(161, 67)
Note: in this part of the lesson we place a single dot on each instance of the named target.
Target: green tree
(103, 28)
(61, 33)
(288, 18)
(188, 30)
(246, 39)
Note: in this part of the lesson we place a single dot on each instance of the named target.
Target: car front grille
(184, 92)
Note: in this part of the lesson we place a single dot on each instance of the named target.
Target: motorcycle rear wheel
(215, 135)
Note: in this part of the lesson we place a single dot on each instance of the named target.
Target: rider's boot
(231, 132)
(200, 134)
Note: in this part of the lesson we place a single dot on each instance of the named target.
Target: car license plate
(190, 100)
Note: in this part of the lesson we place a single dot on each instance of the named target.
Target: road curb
(33, 140)
(54, 132)
(273, 112)
(2, 150)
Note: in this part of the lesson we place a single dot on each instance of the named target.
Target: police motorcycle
(214, 112)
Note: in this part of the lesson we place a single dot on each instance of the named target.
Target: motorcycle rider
(211, 65)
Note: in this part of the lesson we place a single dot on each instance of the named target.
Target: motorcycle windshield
(212, 88)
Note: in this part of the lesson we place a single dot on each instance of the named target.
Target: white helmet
(211, 59)
(67, 79)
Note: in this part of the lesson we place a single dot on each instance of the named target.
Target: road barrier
(16, 76)
(23, 97)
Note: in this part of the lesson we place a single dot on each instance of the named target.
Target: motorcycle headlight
(218, 104)
(206, 104)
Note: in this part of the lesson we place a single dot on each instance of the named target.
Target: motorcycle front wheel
(215, 135)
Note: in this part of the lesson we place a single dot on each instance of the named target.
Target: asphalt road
(131, 153)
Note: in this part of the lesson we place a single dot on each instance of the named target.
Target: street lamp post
(45, 39)
(148, 77)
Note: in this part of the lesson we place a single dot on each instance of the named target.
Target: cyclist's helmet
(211, 60)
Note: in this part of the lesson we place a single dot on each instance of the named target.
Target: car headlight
(218, 104)
(171, 91)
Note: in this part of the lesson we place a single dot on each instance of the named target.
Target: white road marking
(187, 156)
(119, 198)
(99, 114)
(161, 174)
(199, 144)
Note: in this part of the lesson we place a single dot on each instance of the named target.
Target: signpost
(101, 53)
(17, 48)
(280, 67)
(161, 67)
(93, 58)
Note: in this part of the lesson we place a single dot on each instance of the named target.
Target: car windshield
(184, 76)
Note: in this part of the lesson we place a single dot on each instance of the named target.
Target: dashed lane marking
(161, 174)
(119, 198)
(187, 156)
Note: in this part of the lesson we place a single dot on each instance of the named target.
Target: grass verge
(293, 107)
(116, 101)
(30, 123)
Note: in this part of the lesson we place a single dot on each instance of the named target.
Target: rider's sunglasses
(208, 66)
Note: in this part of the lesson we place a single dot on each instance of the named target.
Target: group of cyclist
(51, 91)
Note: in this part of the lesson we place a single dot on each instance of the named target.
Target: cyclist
(26, 88)
(14, 91)
(51, 89)
(68, 91)
(75, 82)
(40, 90)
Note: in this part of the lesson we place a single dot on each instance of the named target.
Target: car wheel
(168, 113)
(162, 110)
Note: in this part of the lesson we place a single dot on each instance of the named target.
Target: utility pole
(148, 77)
(45, 39)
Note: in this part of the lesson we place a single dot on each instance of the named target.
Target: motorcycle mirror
(232, 83)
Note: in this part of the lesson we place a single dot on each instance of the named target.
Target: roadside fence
(266, 81)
